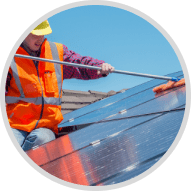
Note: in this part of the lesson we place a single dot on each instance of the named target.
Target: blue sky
(120, 38)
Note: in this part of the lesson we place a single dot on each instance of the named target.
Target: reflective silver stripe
(11, 99)
(16, 77)
(57, 67)
(52, 101)
(36, 101)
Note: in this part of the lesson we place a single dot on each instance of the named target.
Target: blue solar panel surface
(132, 99)
(127, 154)
(113, 99)
(125, 138)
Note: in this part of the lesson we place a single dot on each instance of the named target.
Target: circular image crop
(95, 95)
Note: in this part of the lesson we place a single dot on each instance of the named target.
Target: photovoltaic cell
(128, 173)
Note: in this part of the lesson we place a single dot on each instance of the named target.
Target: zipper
(36, 65)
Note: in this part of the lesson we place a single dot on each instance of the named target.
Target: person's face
(33, 41)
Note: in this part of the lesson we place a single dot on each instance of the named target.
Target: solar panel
(120, 154)
(120, 96)
(117, 142)
(114, 107)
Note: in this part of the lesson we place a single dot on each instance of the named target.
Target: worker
(34, 88)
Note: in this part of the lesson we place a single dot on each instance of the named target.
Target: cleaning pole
(97, 68)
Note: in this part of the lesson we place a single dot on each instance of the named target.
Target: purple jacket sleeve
(80, 73)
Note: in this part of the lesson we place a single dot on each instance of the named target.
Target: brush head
(169, 85)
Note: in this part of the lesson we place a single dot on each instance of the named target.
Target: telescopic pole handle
(96, 68)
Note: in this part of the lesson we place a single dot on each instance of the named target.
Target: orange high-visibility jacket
(34, 96)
